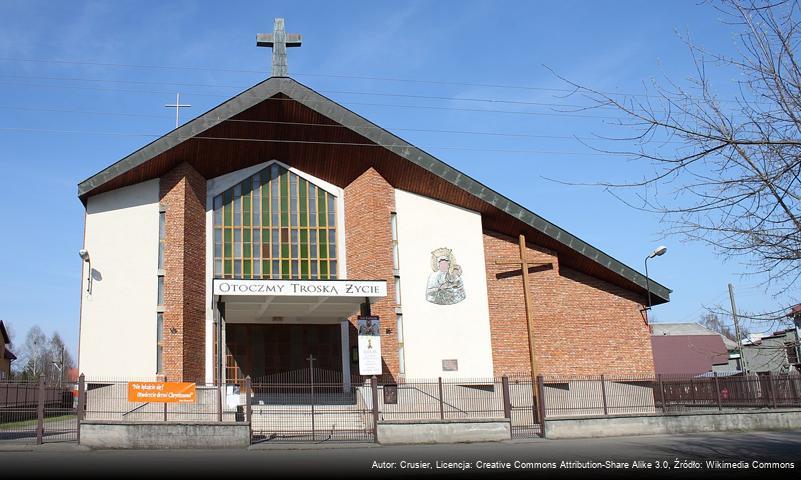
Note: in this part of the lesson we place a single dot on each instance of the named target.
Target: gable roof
(686, 328)
(4, 333)
(687, 354)
(134, 167)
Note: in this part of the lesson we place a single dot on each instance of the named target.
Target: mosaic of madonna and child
(445, 285)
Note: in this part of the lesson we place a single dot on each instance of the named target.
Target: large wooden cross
(525, 262)
(279, 40)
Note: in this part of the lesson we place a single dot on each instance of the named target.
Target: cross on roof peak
(279, 40)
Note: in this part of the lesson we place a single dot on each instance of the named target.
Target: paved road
(523, 458)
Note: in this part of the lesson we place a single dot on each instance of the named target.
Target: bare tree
(60, 360)
(724, 171)
(34, 355)
(43, 356)
(712, 321)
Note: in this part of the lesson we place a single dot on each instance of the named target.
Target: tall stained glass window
(275, 225)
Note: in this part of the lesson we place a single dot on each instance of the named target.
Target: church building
(254, 237)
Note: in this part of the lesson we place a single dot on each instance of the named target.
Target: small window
(401, 360)
(162, 235)
(792, 353)
(399, 327)
(160, 291)
(394, 225)
(159, 343)
(397, 290)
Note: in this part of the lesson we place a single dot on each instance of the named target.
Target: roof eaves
(369, 130)
(327, 107)
(216, 115)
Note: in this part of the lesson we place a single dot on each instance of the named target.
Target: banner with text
(369, 345)
(162, 392)
(302, 288)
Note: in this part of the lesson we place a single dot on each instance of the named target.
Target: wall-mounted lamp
(84, 254)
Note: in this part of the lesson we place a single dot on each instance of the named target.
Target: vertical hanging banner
(369, 345)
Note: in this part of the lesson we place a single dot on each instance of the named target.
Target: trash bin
(240, 413)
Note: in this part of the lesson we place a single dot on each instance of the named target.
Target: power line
(428, 107)
(312, 124)
(330, 75)
(339, 92)
(303, 142)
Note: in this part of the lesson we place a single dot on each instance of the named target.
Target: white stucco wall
(118, 318)
(431, 332)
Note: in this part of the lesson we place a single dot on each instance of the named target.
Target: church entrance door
(280, 353)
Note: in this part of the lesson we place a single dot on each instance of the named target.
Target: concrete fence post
(81, 407)
(717, 390)
(374, 396)
(441, 403)
(40, 403)
(507, 399)
(603, 394)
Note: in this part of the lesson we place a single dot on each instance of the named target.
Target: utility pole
(737, 329)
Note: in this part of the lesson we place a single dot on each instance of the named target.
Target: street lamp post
(656, 253)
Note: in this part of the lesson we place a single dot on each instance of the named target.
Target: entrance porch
(282, 330)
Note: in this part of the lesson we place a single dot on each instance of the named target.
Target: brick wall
(183, 195)
(582, 325)
(369, 201)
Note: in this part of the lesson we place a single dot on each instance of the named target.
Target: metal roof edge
(349, 119)
(199, 124)
(401, 147)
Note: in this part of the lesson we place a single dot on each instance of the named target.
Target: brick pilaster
(183, 196)
(369, 202)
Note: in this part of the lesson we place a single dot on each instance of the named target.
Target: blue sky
(449, 48)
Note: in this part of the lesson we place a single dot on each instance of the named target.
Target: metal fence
(319, 405)
(107, 399)
(664, 394)
(36, 412)
(310, 405)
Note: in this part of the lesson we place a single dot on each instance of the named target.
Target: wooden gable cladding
(284, 129)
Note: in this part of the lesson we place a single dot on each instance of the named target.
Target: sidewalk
(45, 447)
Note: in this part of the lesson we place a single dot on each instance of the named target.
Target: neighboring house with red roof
(8, 356)
(691, 349)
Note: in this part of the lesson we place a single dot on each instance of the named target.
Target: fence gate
(32, 412)
(311, 405)
(523, 410)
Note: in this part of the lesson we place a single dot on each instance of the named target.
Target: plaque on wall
(450, 365)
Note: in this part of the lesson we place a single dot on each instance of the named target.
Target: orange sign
(163, 392)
